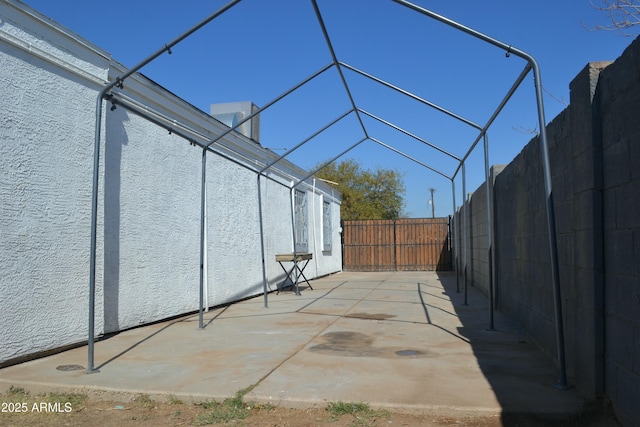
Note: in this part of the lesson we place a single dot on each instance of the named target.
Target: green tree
(366, 194)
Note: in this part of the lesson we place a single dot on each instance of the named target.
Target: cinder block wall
(617, 103)
(595, 164)
(478, 263)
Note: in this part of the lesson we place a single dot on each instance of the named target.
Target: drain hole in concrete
(66, 368)
(409, 352)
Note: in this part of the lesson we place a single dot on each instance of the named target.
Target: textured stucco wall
(151, 222)
(46, 134)
(234, 232)
(149, 201)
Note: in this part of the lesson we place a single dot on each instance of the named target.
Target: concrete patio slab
(398, 340)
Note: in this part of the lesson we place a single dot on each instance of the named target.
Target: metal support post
(455, 236)
(262, 251)
(531, 63)
(293, 229)
(551, 224)
(488, 186)
(96, 163)
(465, 206)
(203, 201)
(433, 203)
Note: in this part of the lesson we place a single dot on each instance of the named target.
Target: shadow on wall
(445, 258)
(116, 137)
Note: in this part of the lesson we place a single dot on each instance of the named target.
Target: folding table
(297, 259)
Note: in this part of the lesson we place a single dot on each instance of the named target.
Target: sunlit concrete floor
(398, 340)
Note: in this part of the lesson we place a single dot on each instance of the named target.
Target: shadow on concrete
(427, 307)
(516, 369)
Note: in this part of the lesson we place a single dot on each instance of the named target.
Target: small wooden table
(296, 259)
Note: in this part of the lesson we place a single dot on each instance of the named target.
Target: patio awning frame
(113, 92)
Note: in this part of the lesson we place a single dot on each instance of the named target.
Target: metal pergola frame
(118, 98)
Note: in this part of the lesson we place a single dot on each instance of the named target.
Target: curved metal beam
(555, 276)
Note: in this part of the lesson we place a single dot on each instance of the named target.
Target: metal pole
(395, 150)
(94, 230)
(179, 129)
(205, 263)
(96, 169)
(417, 138)
(555, 276)
(327, 163)
(300, 144)
(270, 103)
(465, 206)
(455, 236)
(551, 223)
(167, 47)
(488, 186)
(411, 95)
(262, 251)
(293, 229)
(498, 110)
(203, 202)
(337, 63)
(433, 207)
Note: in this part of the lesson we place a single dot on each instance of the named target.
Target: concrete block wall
(478, 263)
(148, 240)
(617, 99)
(595, 163)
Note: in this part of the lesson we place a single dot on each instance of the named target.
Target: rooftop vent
(232, 113)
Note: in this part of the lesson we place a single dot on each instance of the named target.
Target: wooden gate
(402, 244)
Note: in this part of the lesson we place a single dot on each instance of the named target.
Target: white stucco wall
(151, 223)
(49, 84)
(148, 240)
(234, 267)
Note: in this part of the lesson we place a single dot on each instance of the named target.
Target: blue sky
(259, 49)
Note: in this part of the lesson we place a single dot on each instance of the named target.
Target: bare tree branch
(555, 98)
(526, 131)
(623, 14)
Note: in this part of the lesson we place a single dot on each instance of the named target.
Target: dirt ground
(20, 408)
